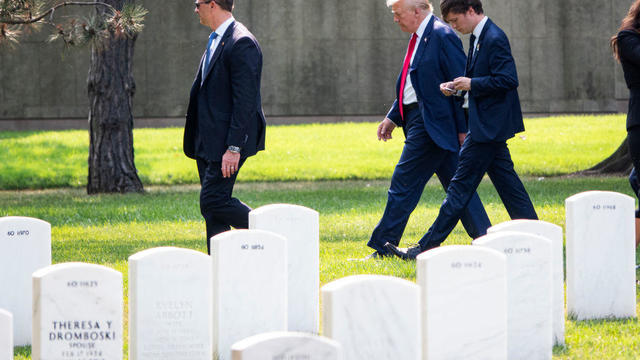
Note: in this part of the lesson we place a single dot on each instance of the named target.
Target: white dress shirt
(476, 32)
(214, 44)
(409, 96)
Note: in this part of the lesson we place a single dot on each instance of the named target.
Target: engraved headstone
(77, 313)
(286, 346)
(464, 303)
(300, 226)
(600, 255)
(529, 292)
(170, 305)
(6, 335)
(249, 286)
(373, 317)
(552, 232)
(25, 246)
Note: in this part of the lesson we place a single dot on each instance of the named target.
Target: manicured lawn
(340, 170)
(550, 146)
(107, 229)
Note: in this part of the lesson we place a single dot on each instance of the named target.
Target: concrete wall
(337, 59)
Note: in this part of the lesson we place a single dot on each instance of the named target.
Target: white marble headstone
(373, 317)
(25, 246)
(286, 346)
(6, 335)
(170, 305)
(600, 255)
(249, 286)
(77, 313)
(529, 292)
(464, 303)
(552, 232)
(300, 226)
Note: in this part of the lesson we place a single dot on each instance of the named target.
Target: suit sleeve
(453, 65)
(503, 75)
(629, 48)
(246, 66)
(394, 114)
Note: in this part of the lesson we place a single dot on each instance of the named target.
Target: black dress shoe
(410, 253)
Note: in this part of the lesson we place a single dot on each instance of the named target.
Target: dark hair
(460, 6)
(630, 22)
(226, 5)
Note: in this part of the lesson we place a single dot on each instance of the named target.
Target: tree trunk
(111, 88)
(617, 163)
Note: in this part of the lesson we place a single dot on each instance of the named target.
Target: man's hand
(461, 137)
(462, 83)
(385, 129)
(230, 163)
(447, 88)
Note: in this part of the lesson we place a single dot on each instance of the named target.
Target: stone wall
(326, 59)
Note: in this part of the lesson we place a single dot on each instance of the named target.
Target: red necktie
(405, 69)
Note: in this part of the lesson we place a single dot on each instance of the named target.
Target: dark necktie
(405, 69)
(472, 40)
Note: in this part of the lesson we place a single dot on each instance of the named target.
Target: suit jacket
(629, 51)
(439, 58)
(494, 105)
(226, 108)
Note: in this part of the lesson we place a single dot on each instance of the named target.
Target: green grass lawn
(355, 169)
(550, 146)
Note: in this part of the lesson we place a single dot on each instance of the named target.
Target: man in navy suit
(490, 86)
(225, 123)
(434, 125)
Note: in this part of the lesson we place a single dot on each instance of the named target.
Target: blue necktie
(207, 56)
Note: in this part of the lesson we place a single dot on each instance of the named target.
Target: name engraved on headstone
(167, 295)
(77, 313)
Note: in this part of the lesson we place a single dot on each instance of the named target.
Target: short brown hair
(226, 5)
(460, 7)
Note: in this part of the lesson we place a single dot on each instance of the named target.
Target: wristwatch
(234, 149)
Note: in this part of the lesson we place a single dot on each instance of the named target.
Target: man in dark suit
(433, 124)
(225, 124)
(491, 85)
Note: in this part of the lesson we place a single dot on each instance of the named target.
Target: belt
(409, 108)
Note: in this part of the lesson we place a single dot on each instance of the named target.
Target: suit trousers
(420, 159)
(219, 209)
(476, 159)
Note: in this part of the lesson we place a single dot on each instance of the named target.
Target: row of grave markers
(183, 303)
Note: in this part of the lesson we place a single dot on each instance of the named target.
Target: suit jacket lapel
(478, 48)
(216, 54)
(422, 44)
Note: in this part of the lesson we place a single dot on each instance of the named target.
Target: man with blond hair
(434, 125)
(490, 86)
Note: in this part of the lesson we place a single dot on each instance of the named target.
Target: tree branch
(50, 11)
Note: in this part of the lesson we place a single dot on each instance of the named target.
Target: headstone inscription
(6, 335)
(286, 346)
(300, 226)
(373, 317)
(77, 313)
(552, 232)
(25, 246)
(464, 301)
(529, 292)
(249, 286)
(600, 255)
(170, 305)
